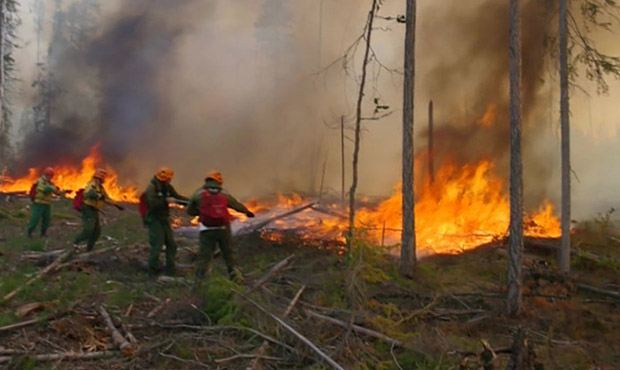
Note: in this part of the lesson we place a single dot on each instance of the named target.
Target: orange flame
(73, 178)
(463, 208)
(489, 116)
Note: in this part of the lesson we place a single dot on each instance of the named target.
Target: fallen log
(127, 349)
(255, 227)
(297, 334)
(275, 269)
(328, 211)
(41, 257)
(592, 289)
(67, 356)
(49, 269)
(355, 328)
(86, 257)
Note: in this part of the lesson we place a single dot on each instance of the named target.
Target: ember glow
(73, 178)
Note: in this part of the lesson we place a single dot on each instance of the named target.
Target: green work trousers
(160, 234)
(40, 213)
(209, 241)
(91, 227)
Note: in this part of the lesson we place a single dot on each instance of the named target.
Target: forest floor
(356, 310)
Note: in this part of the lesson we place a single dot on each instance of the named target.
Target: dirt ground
(355, 309)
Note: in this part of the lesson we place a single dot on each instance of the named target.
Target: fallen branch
(126, 348)
(260, 225)
(158, 308)
(243, 355)
(299, 336)
(67, 356)
(221, 328)
(185, 361)
(49, 269)
(275, 269)
(355, 328)
(85, 257)
(605, 292)
(22, 324)
(264, 347)
(328, 211)
(41, 256)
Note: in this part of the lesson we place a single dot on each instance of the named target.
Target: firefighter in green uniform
(157, 196)
(41, 203)
(211, 204)
(95, 198)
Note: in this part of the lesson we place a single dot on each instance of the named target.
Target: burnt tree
(516, 168)
(565, 146)
(408, 242)
(358, 124)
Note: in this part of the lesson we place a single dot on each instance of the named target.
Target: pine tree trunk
(358, 128)
(3, 27)
(565, 129)
(516, 180)
(408, 247)
(431, 124)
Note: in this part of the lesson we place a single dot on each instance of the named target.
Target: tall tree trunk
(342, 168)
(3, 26)
(516, 180)
(358, 124)
(431, 124)
(408, 247)
(565, 129)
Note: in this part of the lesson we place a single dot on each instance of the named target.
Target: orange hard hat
(215, 175)
(164, 174)
(100, 174)
(48, 171)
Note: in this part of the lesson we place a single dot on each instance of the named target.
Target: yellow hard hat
(100, 174)
(216, 176)
(164, 174)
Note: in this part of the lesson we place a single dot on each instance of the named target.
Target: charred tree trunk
(564, 259)
(358, 124)
(3, 26)
(408, 247)
(516, 179)
(431, 124)
(342, 168)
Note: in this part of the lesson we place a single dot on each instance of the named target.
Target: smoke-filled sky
(241, 86)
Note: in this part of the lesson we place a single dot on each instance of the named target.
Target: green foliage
(23, 243)
(218, 294)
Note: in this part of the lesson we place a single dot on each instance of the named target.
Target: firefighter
(44, 190)
(95, 198)
(211, 204)
(158, 195)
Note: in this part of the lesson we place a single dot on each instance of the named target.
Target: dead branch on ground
(127, 348)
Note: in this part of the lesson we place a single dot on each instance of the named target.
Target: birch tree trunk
(358, 128)
(408, 247)
(565, 130)
(516, 180)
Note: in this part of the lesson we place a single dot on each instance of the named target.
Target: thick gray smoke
(202, 84)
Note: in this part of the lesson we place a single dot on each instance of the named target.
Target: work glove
(119, 207)
(250, 214)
